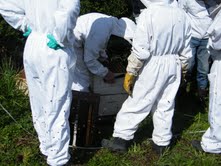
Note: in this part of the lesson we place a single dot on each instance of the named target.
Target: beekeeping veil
(124, 28)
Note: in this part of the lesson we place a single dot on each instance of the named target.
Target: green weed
(18, 142)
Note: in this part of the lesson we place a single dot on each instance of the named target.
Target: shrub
(11, 43)
(117, 8)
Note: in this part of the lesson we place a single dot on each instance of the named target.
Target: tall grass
(10, 96)
(18, 142)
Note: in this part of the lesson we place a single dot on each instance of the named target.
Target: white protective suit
(198, 15)
(171, 2)
(211, 140)
(47, 70)
(160, 44)
(92, 33)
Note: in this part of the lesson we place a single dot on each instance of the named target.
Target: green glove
(27, 32)
(53, 43)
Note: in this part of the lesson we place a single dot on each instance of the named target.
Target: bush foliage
(117, 8)
(11, 43)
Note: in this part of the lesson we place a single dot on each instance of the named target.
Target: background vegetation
(18, 142)
(117, 8)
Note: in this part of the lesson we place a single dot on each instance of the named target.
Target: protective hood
(170, 2)
(124, 28)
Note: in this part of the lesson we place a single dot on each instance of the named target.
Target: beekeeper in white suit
(92, 33)
(211, 140)
(198, 12)
(48, 60)
(160, 47)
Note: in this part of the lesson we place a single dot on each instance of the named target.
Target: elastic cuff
(134, 64)
(57, 40)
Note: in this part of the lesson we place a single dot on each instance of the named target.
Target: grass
(19, 145)
(18, 141)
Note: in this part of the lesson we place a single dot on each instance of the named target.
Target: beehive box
(83, 117)
(112, 96)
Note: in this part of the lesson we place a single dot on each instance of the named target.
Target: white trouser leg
(58, 125)
(211, 140)
(164, 110)
(36, 99)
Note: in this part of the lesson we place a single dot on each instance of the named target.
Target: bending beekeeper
(211, 139)
(92, 33)
(48, 61)
(160, 48)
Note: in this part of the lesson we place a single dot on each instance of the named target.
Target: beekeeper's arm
(65, 19)
(183, 5)
(140, 50)
(214, 33)
(14, 14)
(93, 46)
(185, 54)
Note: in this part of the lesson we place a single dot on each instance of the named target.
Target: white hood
(147, 2)
(124, 28)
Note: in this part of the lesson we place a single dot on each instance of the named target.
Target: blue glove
(53, 43)
(27, 32)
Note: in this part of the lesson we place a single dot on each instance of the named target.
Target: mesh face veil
(124, 28)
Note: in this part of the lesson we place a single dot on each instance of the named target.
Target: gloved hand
(129, 81)
(183, 82)
(184, 73)
(53, 43)
(109, 78)
(27, 32)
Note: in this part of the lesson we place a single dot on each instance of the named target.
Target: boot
(116, 144)
(159, 149)
(197, 145)
(202, 93)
